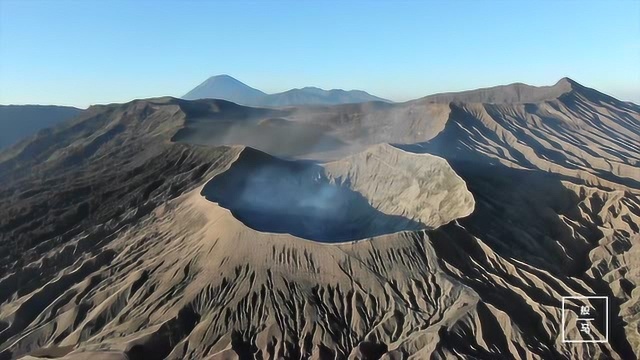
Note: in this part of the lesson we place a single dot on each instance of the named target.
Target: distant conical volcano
(226, 88)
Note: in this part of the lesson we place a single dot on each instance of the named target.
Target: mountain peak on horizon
(567, 83)
(517, 92)
(224, 78)
(225, 87)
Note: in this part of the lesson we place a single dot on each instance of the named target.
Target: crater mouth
(382, 190)
(298, 198)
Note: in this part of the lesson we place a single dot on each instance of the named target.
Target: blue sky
(84, 52)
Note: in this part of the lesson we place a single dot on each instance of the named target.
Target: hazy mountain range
(20, 121)
(446, 227)
(227, 88)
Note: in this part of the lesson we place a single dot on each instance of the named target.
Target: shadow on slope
(520, 212)
(295, 197)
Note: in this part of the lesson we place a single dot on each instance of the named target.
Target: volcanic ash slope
(193, 281)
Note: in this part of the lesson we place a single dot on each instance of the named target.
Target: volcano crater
(355, 198)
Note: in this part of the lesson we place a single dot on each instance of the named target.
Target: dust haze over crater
(219, 122)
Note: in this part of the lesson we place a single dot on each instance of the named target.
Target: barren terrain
(447, 227)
